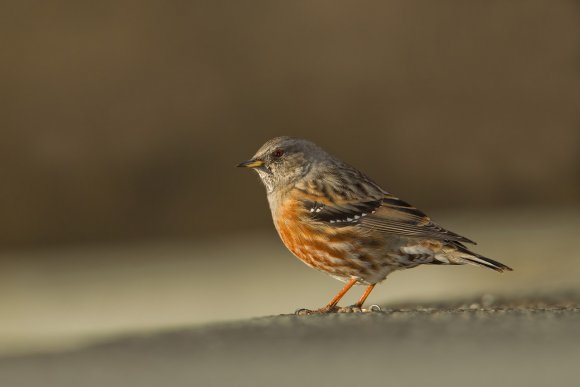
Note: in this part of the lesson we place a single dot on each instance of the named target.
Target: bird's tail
(464, 255)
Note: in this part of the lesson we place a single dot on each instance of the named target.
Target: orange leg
(363, 298)
(339, 295)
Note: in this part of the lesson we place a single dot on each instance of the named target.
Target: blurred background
(121, 123)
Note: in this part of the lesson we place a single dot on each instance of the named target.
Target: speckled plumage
(337, 220)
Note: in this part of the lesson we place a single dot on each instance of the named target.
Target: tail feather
(487, 262)
(468, 256)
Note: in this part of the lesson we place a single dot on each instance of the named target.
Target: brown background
(123, 120)
(121, 123)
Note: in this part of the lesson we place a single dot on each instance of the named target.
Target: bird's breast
(341, 252)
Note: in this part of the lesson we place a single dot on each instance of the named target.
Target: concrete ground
(186, 315)
(531, 341)
(57, 299)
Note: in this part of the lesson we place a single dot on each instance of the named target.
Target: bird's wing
(396, 216)
(389, 214)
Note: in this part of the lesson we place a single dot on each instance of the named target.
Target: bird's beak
(254, 163)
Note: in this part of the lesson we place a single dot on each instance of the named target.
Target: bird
(337, 220)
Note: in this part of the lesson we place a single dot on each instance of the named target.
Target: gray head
(282, 161)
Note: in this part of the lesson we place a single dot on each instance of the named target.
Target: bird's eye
(278, 153)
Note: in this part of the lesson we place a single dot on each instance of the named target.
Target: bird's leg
(331, 306)
(358, 306)
(363, 298)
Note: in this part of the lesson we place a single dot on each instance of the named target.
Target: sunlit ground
(62, 298)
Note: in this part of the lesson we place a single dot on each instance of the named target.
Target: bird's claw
(307, 312)
(337, 309)
(350, 309)
(303, 312)
(359, 309)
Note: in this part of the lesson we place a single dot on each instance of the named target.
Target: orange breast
(294, 232)
(337, 251)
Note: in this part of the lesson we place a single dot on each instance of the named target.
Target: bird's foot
(304, 312)
(358, 309)
(307, 312)
(324, 310)
(338, 309)
(350, 309)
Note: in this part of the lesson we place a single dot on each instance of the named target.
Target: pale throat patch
(266, 179)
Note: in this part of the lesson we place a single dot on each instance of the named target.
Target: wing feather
(389, 215)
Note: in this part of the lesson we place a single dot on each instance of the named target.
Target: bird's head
(282, 161)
